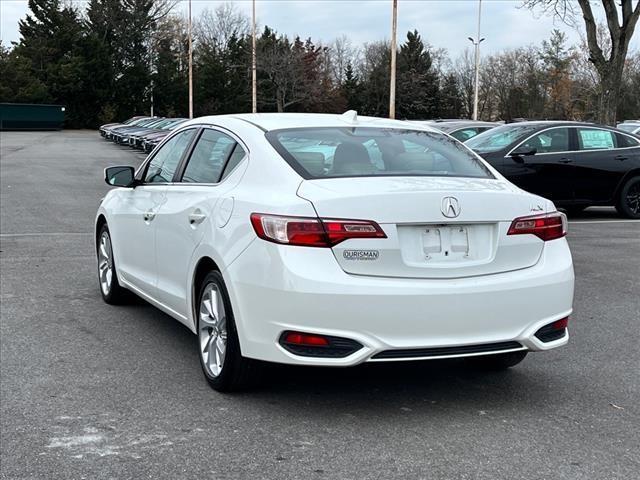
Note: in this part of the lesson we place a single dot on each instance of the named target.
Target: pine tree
(417, 80)
(450, 97)
(556, 66)
(351, 89)
(54, 42)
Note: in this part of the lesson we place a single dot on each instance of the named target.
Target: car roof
(277, 121)
(556, 123)
(451, 126)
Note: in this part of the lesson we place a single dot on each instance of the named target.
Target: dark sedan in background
(106, 129)
(576, 165)
(121, 135)
(137, 140)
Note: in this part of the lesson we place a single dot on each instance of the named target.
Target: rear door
(603, 158)
(549, 172)
(196, 204)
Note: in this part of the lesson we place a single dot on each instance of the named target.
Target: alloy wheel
(633, 198)
(212, 329)
(105, 263)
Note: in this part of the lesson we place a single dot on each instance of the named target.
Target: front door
(133, 233)
(134, 219)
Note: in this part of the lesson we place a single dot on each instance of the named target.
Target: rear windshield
(334, 152)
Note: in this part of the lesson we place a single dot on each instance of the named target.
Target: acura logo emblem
(450, 207)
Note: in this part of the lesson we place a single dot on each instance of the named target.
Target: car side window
(234, 160)
(625, 141)
(209, 157)
(164, 163)
(550, 141)
(595, 139)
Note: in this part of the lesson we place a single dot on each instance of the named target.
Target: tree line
(115, 57)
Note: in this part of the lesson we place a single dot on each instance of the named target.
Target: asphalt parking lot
(100, 392)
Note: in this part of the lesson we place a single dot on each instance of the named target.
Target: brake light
(547, 226)
(312, 232)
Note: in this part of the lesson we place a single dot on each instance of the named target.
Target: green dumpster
(28, 116)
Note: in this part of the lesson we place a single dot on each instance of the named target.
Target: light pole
(190, 65)
(477, 62)
(254, 86)
(392, 83)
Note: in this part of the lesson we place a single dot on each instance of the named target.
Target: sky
(442, 23)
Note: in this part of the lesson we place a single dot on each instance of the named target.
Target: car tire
(112, 292)
(629, 200)
(499, 361)
(223, 365)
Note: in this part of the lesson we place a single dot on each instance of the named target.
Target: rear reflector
(553, 331)
(313, 345)
(306, 339)
(312, 232)
(548, 226)
(560, 324)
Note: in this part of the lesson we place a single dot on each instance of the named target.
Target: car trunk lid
(421, 241)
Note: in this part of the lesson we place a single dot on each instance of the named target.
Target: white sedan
(334, 240)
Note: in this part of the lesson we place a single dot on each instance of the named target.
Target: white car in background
(333, 240)
(462, 130)
(632, 126)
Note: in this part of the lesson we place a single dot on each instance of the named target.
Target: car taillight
(547, 226)
(312, 232)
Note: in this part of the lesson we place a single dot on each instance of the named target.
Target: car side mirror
(123, 176)
(524, 151)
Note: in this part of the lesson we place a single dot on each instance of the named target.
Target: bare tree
(609, 66)
(341, 54)
(464, 70)
(216, 28)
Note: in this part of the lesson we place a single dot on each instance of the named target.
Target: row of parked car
(142, 133)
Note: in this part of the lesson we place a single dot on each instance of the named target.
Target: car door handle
(149, 216)
(196, 217)
(621, 157)
(565, 160)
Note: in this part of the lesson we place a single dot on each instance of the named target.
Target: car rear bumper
(276, 288)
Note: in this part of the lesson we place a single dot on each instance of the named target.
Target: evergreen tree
(169, 66)
(374, 85)
(54, 42)
(556, 61)
(351, 89)
(450, 97)
(417, 81)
